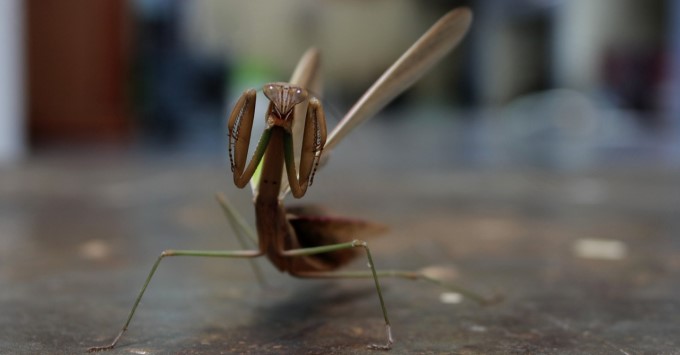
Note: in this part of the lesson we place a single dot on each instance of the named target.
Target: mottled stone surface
(79, 232)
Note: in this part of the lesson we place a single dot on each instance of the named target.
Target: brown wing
(315, 227)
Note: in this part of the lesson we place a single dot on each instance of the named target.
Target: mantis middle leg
(245, 235)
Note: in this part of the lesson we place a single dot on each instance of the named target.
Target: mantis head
(284, 97)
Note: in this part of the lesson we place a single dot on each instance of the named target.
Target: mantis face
(283, 97)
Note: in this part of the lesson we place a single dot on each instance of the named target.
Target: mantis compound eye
(284, 96)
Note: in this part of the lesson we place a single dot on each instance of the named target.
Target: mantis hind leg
(374, 275)
(164, 254)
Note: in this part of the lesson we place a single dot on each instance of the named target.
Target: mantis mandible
(305, 246)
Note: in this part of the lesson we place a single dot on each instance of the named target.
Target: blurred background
(552, 83)
(540, 158)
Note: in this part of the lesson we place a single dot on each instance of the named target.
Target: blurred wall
(511, 56)
(12, 140)
(184, 54)
(358, 40)
(525, 46)
(586, 30)
(672, 83)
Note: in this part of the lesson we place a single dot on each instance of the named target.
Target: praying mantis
(306, 246)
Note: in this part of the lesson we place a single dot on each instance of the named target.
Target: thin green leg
(244, 234)
(166, 253)
(353, 244)
(238, 223)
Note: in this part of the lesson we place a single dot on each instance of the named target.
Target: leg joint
(359, 243)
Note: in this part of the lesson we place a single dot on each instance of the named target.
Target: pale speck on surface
(94, 249)
(478, 328)
(602, 249)
(444, 273)
(451, 297)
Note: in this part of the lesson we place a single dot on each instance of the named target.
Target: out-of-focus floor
(587, 258)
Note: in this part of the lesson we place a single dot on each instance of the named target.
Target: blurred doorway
(77, 71)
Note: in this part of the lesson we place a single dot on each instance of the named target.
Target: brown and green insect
(304, 242)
